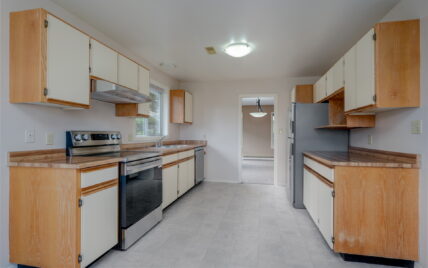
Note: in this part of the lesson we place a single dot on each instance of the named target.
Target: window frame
(164, 116)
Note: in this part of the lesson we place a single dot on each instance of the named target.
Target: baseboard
(257, 158)
(222, 180)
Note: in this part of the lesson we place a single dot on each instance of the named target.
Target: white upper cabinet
(350, 79)
(320, 89)
(335, 79)
(67, 63)
(127, 72)
(365, 70)
(143, 80)
(188, 107)
(103, 61)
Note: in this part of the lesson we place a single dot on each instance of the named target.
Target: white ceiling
(252, 101)
(290, 37)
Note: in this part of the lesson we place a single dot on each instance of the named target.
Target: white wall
(15, 118)
(215, 118)
(392, 131)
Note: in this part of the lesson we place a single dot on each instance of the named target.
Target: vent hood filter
(113, 93)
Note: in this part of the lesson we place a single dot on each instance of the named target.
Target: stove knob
(119, 137)
(113, 136)
(85, 137)
(78, 137)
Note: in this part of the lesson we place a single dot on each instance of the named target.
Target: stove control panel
(80, 138)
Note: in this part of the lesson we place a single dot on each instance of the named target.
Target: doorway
(257, 139)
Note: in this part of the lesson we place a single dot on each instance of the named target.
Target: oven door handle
(137, 168)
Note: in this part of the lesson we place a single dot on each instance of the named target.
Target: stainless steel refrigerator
(303, 136)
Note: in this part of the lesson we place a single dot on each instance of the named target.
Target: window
(152, 126)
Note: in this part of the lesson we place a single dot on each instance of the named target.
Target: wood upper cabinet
(320, 89)
(382, 71)
(104, 62)
(302, 94)
(127, 72)
(181, 106)
(49, 60)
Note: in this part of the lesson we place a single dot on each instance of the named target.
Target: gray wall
(392, 131)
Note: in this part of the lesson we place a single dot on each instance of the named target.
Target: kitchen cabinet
(181, 106)
(169, 185)
(355, 206)
(335, 78)
(183, 173)
(127, 72)
(70, 214)
(143, 80)
(320, 89)
(302, 94)
(49, 61)
(104, 62)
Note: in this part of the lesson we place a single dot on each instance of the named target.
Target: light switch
(416, 127)
(30, 136)
(49, 138)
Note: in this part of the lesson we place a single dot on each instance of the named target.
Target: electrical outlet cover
(416, 127)
(30, 136)
(49, 138)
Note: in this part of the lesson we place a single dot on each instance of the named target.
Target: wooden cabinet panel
(143, 80)
(376, 212)
(181, 106)
(103, 61)
(99, 223)
(169, 185)
(67, 63)
(127, 72)
(302, 94)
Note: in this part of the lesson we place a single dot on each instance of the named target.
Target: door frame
(275, 133)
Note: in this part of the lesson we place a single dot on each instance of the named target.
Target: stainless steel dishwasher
(199, 164)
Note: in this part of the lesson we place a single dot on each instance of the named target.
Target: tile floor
(230, 225)
(257, 171)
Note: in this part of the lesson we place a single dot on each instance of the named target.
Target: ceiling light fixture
(238, 50)
(259, 112)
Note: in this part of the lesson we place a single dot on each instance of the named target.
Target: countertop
(361, 157)
(56, 158)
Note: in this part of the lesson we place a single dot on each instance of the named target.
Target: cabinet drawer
(169, 158)
(186, 154)
(324, 171)
(95, 175)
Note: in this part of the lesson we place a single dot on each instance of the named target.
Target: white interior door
(188, 107)
(103, 61)
(67, 63)
(350, 79)
(99, 224)
(365, 70)
(169, 185)
(325, 212)
(127, 72)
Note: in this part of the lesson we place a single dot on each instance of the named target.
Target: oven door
(140, 190)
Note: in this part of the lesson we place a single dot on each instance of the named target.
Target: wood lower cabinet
(371, 211)
(49, 61)
(62, 217)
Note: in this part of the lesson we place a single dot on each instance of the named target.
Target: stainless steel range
(140, 181)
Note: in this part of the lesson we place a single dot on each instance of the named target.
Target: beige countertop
(361, 157)
(56, 158)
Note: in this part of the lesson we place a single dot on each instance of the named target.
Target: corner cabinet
(69, 215)
(181, 106)
(49, 61)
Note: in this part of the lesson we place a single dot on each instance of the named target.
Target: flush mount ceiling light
(259, 112)
(238, 50)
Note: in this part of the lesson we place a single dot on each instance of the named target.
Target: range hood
(109, 92)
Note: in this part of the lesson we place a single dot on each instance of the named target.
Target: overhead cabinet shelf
(380, 72)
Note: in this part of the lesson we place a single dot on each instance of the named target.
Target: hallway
(257, 171)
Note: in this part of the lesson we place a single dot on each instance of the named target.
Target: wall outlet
(130, 137)
(49, 138)
(370, 139)
(416, 127)
(30, 136)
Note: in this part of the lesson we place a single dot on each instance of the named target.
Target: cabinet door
(338, 78)
(67, 63)
(127, 72)
(350, 79)
(325, 211)
(103, 61)
(188, 107)
(320, 89)
(99, 224)
(144, 108)
(191, 173)
(293, 95)
(143, 80)
(365, 70)
(310, 194)
(182, 178)
(169, 185)
(329, 88)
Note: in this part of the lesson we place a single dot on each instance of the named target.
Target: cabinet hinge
(46, 23)
(332, 239)
(90, 70)
(79, 258)
(80, 202)
(374, 97)
(374, 37)
(90, 45)
(333, 193)
(178, 192)
(45, 91)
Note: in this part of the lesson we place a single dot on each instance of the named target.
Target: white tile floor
(257, 171)
(231, 225)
